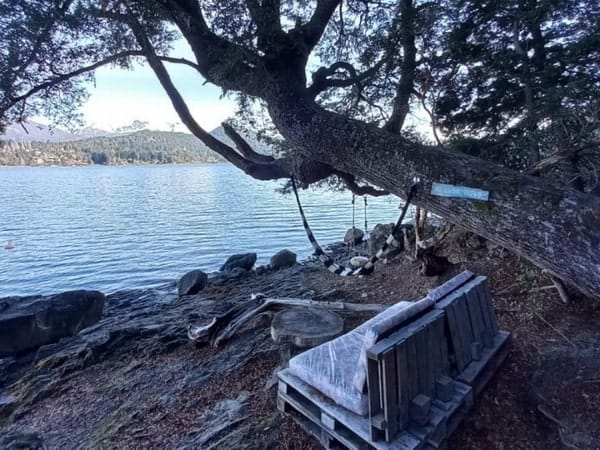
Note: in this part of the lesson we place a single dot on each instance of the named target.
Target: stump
(306, 327)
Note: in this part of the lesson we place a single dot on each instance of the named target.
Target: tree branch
(43, 36)
(400, 106)
(221, 62)
(350, 182)
(315, 27)
(82, 70)
(59, 79)
(267, 18)
(321, 81)
(244, 148)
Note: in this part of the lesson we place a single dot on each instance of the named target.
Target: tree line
(143, 147)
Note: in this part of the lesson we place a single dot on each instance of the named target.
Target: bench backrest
(410, 359)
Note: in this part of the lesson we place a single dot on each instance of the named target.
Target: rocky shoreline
(134, 380)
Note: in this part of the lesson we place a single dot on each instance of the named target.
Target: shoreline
(134, 379)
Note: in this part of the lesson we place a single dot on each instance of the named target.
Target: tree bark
(556, 228)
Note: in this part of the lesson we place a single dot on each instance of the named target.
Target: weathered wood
(351, 430)
(478, 373)
(305, 327)
(451, 285)
(375, 403)
(484, 289)
(455, 337)
(422, 360)
(223, 327)
(475, 315)
(413, 371)
(488, 329)
(403, 382)
(390, 393)
(406, 330)
(462, 315)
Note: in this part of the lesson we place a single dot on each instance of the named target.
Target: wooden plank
(475, 315)
(433, 347)
(456, 337)
(436, 340)
(485, 292)
(464, 326)
(413, 371)
(374, 393)
(377, 350)
(422, 360)
(478, 373)
(451, 285)
(403, 382)
(350, 429)
(391, 409)
(488, 328)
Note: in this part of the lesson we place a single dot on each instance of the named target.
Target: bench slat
(391, 409)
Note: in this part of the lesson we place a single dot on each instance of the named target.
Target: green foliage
(511, 82)
(143, 147)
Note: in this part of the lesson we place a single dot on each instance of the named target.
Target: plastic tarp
(331, 367)
(338, 368)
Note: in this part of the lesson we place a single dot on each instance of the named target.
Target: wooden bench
(421, 375)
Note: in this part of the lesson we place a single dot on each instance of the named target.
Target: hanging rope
(366, 225)
(370, 265)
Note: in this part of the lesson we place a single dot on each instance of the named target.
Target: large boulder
(281, 259)
(245, 261)
(27, 323)
(378, 236)
(192, 283)
(354, 236)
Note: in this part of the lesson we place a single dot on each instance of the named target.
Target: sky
(121, 96)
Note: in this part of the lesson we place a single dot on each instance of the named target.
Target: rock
(475, 242)
(358, 261)
(30, 322)
(261, 270)
(245, 261)
(192, 283)
(237, 272)
(378, 236)
(17, 440)
(283, 258)
(354, 236)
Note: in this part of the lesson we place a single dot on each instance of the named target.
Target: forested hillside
(141, 147)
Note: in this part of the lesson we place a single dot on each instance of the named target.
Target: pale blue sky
(121, 96)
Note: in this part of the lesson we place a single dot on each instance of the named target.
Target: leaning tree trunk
(556, 228)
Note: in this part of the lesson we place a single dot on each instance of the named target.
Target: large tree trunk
(557, 229)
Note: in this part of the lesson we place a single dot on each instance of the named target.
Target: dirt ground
(544, 396)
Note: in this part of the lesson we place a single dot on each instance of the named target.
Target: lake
(110, 228)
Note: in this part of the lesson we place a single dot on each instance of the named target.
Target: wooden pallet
(421, 376)
(336, 427)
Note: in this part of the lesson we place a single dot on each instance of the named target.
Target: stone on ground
(245, 261)
(283, 258)
(378, 236)
(354, 236)
(192, 283)
(27, 323)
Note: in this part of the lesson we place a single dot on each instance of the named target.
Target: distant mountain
(43, 146)
(36, 132)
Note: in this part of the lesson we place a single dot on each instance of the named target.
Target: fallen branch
(222, 328)
(560, 333)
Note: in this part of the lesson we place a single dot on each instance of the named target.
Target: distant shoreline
(142, 164)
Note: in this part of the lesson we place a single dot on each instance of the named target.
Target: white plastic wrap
(331, 367)
(338, 368)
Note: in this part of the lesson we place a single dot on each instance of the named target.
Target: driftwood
(223, 327)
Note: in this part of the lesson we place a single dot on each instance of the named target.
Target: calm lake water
(110, 228)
